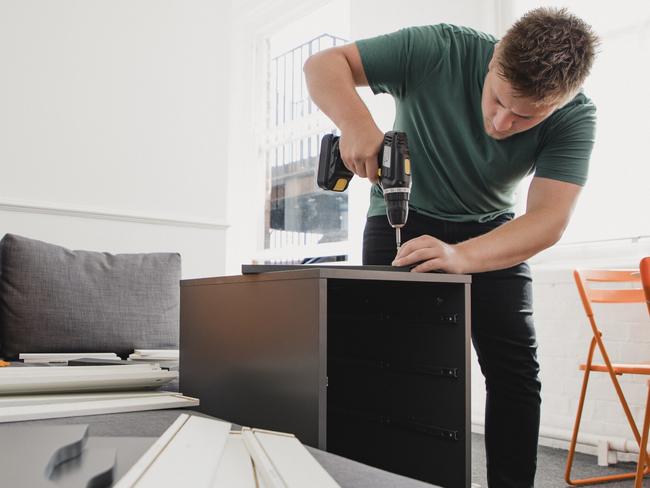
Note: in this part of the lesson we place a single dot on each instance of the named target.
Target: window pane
(298, 213)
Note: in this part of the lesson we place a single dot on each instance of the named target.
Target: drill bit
(398, 237)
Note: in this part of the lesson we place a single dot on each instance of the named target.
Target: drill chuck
(397, 206)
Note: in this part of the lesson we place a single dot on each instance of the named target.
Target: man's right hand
(331, 77)
(360, 149)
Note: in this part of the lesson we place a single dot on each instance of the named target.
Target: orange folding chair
(644, 438)
(645, 279)
(584, 279)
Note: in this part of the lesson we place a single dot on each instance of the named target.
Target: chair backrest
(645, 279)
(585, 278)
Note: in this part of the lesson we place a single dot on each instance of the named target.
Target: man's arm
(332, 77)
(548, 210)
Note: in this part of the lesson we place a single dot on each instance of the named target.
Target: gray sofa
(53, 299)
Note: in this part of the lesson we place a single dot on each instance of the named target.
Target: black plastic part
(392, 157)
(330, 165)
(397, 208)
(395, 177)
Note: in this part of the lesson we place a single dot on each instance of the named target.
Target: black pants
(504, 340)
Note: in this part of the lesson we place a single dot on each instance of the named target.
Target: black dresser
(372, 365)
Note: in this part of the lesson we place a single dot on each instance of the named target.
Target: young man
(480, 115)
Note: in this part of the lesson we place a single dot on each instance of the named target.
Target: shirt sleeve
(397, 63)
(567, 145)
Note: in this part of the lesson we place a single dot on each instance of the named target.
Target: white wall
(619, 173)
(608, 230)
(374, 17)
(564, 334)
(113, 125)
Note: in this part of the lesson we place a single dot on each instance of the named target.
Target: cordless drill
(394, 171)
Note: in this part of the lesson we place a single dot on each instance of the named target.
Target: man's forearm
(548, 210)
(511, 243)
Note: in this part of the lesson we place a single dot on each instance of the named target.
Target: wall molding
(621, 252)
(43, 208)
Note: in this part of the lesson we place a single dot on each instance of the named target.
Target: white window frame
(268, 137)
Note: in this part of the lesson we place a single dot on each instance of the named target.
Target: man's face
(505, 114)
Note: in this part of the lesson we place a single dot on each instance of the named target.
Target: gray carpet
(550, 467)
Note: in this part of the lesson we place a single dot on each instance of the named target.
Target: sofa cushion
(53, 299)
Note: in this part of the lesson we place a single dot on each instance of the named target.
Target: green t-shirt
(459, 173)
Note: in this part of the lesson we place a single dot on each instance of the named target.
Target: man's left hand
(432, 255)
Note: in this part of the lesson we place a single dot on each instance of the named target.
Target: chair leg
(640, 471)
(643, 453)
(576, 425)
(626, 407)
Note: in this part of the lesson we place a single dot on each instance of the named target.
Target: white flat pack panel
(68, 379)
(143, 464)
(18, 400)
(123, 369)
(264, 467)
(235, 469)
(258, 477)
(94, 407)
(294, 463)
(153, 360)
(158, 361)
(191, 458)
(157, 353)
(64, 357)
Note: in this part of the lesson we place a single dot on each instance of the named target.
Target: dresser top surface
(254, 273)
